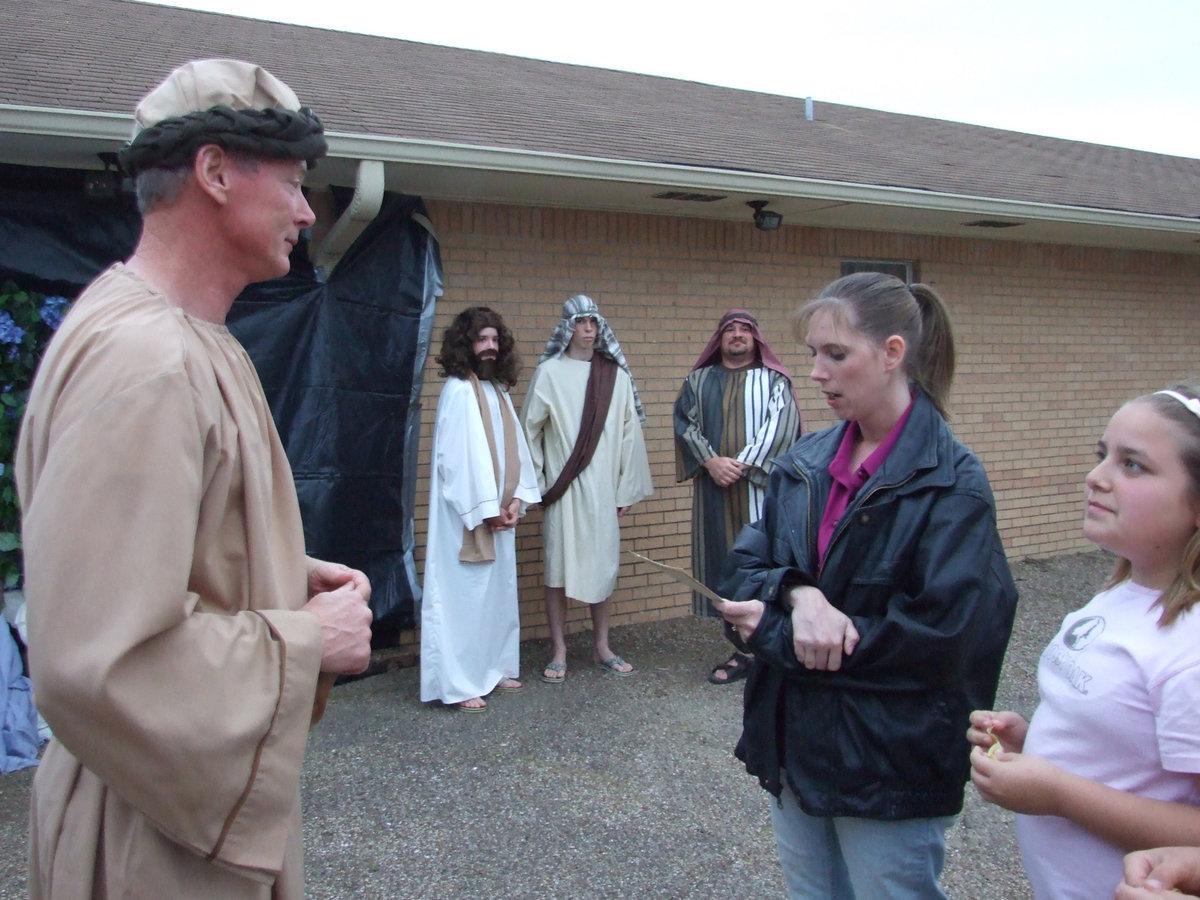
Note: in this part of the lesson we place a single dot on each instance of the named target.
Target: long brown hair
(458, 356)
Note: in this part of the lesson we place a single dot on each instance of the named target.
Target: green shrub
(27, 322)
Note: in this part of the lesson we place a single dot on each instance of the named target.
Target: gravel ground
(603, 786)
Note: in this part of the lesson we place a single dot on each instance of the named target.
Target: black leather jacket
(916, 563)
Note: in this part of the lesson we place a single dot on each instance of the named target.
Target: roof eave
(529, 162)
(114, 128)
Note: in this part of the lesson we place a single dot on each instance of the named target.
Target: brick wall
(1050, 340)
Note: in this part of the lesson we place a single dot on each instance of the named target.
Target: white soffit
(434, 170)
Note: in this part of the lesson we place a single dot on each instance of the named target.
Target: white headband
(1191, 403)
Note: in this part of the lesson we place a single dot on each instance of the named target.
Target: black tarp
(341, 364)
(340, 360)
(55, 237)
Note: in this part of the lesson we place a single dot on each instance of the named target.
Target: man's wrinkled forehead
(737, 315)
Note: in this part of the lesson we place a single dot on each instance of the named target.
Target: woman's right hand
(989, 726)
(743, 615)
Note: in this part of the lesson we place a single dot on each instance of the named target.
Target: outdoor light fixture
(765, 219)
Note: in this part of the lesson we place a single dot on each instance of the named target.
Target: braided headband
(1192, 404)
(736, 315)
(272, 133)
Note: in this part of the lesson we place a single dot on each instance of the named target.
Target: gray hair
(159, 187)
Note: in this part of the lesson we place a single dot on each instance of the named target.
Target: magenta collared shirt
(847, 481)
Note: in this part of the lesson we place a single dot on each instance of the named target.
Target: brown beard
(485, 369)
(739, 358)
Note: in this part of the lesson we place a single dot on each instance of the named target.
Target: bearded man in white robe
(181, 642)
(480, 482)
(583, 419)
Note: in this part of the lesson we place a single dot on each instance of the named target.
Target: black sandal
(735, 669)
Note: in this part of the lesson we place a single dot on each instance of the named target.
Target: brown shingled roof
(102, 55)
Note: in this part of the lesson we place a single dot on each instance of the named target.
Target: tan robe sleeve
(191, 707)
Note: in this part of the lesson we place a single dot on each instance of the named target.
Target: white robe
(581, 531)
(470, 629)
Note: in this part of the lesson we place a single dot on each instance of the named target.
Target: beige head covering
(205, 83)
(236, 104)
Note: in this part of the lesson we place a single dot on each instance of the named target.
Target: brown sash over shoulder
(479, 545)
(601, 378)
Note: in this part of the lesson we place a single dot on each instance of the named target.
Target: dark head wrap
(236, 105)
(712, 353)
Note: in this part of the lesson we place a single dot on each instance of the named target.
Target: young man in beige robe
(581, 530)
(178, 633)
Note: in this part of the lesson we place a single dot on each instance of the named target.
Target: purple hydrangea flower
(10, 331)
(52, 311)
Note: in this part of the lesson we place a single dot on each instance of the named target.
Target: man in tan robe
(178, 633)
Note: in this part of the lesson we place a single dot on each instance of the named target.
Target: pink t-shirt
(847, 480)
(1120, 704)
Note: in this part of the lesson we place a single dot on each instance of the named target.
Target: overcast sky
(1121, 72)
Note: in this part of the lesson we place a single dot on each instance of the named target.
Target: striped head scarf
(579, 307)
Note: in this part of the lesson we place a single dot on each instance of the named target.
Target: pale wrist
(803, 596)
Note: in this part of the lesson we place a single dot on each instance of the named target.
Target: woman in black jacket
(876, 596)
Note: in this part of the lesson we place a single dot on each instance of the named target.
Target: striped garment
(748, 414)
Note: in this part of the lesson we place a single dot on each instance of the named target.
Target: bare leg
(556, 614)
(600, 649)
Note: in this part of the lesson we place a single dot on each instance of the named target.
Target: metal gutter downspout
(364, 206)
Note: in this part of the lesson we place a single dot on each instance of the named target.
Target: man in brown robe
(735, 413)
(178, 633)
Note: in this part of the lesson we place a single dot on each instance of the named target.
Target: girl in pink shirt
(1111, 760)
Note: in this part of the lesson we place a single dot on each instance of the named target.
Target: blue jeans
(845, 858)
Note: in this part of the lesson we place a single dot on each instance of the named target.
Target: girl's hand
(989, 728)
(1160, 872)
(1017, 781)
(744, 615)
(1125, 892)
